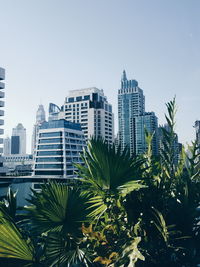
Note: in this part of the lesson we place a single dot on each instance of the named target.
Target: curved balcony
(1, 131)
(1, 140)
(2, 85)
(1, 112)
(2, 94)
(1, 122)
(2, 74)
(2, 103)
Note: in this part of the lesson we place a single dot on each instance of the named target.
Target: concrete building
(18, 140)
(59, 145)
(7, 146)
(90, 108)
(12, 162)
(2, 95)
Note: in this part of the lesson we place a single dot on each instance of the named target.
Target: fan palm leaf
(57, 208)
(12, 242)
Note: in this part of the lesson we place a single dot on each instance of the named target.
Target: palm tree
(108, 175)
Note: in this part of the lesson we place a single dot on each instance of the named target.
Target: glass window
(49, 166)
(78, 98)
(49, 147)
(86, 97)
(48, 172)
(49, 153)
(71, 99)
(55, 159)
(51, 134)
(54, 140)
(69, 172)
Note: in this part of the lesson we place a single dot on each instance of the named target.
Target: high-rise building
(15, 145)
(40, 118)
(197, 128)
(7, 146)
(133, 119)
(40, 114)
(147, 122)
(2, 94)
(176, 146)
(90, 108)
(59, 145)
(54, 112)
(18, 140)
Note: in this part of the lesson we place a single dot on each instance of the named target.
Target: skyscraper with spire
(40, 114)
(131, 103)
(132, 117)
(40, 118)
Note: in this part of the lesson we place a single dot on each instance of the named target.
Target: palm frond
(12, 243)
(57, 208)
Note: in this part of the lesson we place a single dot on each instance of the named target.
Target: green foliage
(121, 211)
(12, 242)
(107, 175)
(56, 208)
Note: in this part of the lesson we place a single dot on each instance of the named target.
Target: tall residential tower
(133, 119)
(90, 108)
(2, 86)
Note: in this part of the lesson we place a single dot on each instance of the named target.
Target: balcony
(2, 94)
(1, 112)
(2, 103)
(1, 140)
(1, 122)
(1, 131)
(2, 74)
(2, 85)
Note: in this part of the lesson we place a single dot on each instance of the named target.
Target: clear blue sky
(51, 46)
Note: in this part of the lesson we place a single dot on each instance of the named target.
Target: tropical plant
(122, 211)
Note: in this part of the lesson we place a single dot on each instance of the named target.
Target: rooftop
(60, 124)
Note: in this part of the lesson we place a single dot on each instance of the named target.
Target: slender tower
(40, 118)
(131, 103)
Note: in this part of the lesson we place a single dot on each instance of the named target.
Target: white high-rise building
(7, 146)
(40, 118)
(2, 94)
(18, 140)
(90, 108)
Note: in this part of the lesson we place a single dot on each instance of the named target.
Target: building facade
(40, 118)
(147, 122)
(197, 129)
(59, 145)
(2, 95)
(90, 108)
(133, 120)
(18, 140)
(7, 146)
(176, 146)
(13, 161)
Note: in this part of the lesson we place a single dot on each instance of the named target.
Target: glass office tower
(131, 103)
(59, 145)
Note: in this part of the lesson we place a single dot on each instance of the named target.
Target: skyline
(53, 47)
